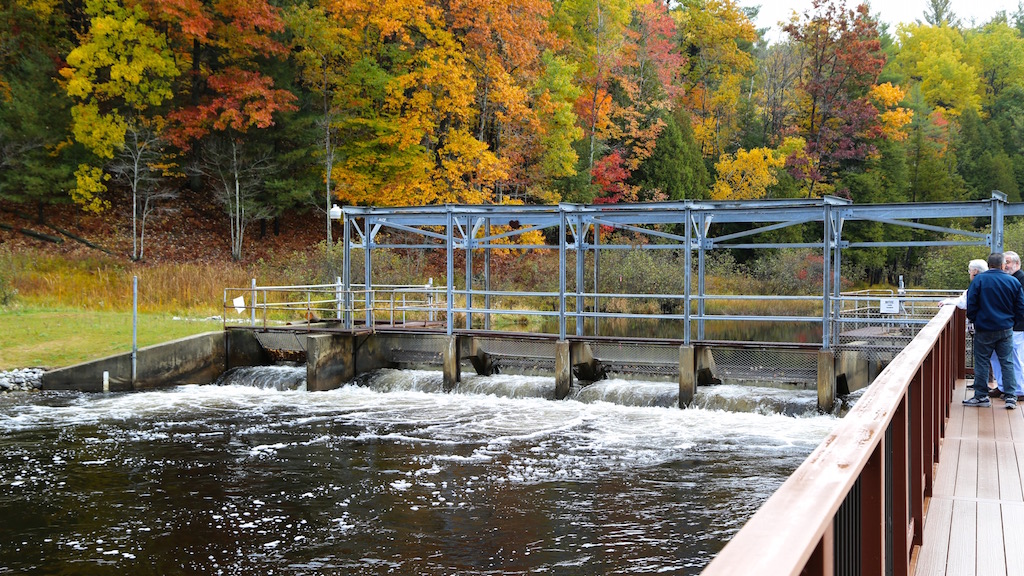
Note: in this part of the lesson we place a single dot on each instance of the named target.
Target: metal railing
(887, 318)
(856, 505)
(269, 306)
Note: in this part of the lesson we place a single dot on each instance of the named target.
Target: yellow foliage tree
(747, 174)
(891, 116)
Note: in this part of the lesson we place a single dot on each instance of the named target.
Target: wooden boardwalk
(975, 519)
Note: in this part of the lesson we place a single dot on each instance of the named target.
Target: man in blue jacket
(995, 301)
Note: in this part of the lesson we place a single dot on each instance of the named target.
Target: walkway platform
(975, 519)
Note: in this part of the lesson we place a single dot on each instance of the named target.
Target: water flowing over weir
(388, 476)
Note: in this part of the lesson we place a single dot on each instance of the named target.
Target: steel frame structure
(470, 227)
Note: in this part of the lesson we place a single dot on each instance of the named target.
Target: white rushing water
(392, 476)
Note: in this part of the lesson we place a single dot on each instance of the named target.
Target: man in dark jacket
(1011, 264)
(995, 302)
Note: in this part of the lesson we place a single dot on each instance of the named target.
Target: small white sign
(239, 304)
(889, 305)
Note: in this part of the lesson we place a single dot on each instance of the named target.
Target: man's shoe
(995, 393)
(982, 402)
(1011, 402)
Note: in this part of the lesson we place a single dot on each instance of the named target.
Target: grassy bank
(54, 337)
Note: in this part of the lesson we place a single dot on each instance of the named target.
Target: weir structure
(835, 341)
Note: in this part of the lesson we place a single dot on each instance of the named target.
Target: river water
(390, 476)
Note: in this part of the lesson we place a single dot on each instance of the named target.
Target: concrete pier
(687, 376)
(563, 369)
(826, 380)
(330, 361)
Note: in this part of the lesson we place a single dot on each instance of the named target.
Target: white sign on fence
(889, 305)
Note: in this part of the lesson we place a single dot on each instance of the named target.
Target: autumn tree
(935, 58)
(716, 36)
(118, 75)
(842, 60)
(227, 97)
(746, 175)
(317, 42)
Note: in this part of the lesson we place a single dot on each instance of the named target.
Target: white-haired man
(995, 303)
(1011, 265)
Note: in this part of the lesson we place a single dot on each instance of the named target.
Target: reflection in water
(385, 477)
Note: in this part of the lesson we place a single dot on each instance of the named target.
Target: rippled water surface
(390, 477)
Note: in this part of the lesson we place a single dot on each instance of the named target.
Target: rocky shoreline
(20, 379)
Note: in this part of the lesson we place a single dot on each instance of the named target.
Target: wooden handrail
(796, 530)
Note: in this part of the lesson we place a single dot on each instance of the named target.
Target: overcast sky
(892, 12)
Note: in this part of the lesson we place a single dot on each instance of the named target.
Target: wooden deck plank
(931, 560)
(963, 539)
(988, 470)
(1002, 422)
(975, 518)
(1017, 424)
(967, 470)
(991, 555)
(1009, 473)
(945, 476)
(1013, 525)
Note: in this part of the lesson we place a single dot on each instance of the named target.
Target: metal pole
(998, 202)
(837, 234)
(561, 274)
(700, 276)
(450, 270)
(346, 273)
(579, 274)
(368, 274)
(826, 278)
(252, 312)
(469, 274)
(597, 274)
(135, 328)
(487, 275)
(687, 277)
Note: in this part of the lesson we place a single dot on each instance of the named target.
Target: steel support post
(700, 275)
(998, 202)
(826, 280)
(579, 274)
(346, 272)
(368, 274)
(487, 274)
(687, 277)
(469, 273)
(450, 270)
(561, 274)
(597, 274)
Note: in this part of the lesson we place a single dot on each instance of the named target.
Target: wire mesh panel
(282, 341)
(519, 354)
(415, 349)
(637, 358)
(766, 365)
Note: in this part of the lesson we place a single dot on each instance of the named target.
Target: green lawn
(51, 338)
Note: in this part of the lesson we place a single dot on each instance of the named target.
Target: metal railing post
(561, 273)
(998, 203)
(487, 274)
(469, 274)
(687, 276)
(252, 318)
(368, 273)
(346, 272)
(450, 270)
(580, 231)
(135, 328)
